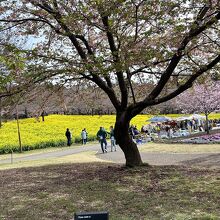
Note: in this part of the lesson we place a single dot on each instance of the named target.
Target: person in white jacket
(84, 136)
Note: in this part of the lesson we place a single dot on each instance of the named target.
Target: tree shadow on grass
(57, 191)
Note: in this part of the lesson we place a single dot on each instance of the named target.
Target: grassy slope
(56, 192)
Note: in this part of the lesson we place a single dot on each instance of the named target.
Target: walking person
(68, 136)
(112, 138)
(101, 135)
(84, 136)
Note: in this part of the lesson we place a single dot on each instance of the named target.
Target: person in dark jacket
(68, 136)
(101, 135)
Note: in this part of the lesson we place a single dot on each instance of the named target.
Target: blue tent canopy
(159, 119)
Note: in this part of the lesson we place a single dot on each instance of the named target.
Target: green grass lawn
(57, 191)
(55, 188)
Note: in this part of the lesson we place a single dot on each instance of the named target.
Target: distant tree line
(50, 99)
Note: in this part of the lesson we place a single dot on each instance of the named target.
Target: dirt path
(154, 158)
(55, 154)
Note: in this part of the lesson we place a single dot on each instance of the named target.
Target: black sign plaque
(91, 216)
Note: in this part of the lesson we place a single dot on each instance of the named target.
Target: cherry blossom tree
(114, 45)
(201, 98)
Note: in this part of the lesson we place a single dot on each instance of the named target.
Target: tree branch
(135, 109)
(24, 20)
(193, 32)
(95, 78)
(116, 59)
(82, 38)
(146, 66)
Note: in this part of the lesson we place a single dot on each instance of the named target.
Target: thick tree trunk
(124, 140)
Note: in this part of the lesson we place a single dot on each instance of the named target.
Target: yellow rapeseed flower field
(51, 132)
